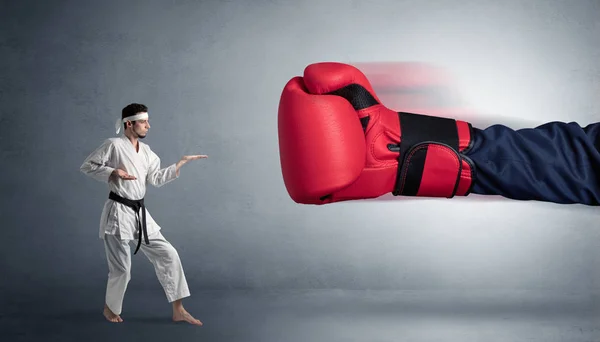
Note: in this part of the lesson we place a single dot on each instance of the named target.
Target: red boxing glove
(337, 142)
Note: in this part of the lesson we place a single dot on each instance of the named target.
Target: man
(126, 165)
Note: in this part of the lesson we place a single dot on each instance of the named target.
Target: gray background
(211, 73)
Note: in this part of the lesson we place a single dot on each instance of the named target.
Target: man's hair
(132, 109)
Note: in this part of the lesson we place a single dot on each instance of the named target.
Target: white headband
(119, 123)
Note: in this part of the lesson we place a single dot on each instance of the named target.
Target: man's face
(140, 128)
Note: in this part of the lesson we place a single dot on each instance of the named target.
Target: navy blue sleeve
(555, 162)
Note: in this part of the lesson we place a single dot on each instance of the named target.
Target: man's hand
(123, 175)
(186, 159)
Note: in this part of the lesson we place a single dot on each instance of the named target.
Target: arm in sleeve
(96, 164)
(157, 176)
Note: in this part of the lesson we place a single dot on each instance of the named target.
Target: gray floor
(328, 315)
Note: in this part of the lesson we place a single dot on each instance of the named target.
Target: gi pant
(555, 162)
(160, 253)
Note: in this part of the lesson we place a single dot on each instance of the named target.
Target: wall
(212, 73)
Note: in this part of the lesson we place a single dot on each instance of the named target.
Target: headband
(119, 123)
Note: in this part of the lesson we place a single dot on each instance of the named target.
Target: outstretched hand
(194, 157)
(186, 159)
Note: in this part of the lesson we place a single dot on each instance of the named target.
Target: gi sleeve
(96, 164)
(157, 176)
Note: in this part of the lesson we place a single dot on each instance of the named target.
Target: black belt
(136, 206)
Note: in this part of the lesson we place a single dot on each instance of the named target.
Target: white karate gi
(118, 222)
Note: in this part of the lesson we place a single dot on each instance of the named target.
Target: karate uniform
(119, 223)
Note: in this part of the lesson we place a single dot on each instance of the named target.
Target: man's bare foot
(110, 316)
(181, 315)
